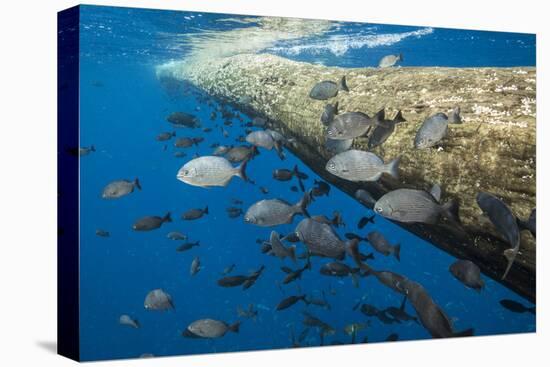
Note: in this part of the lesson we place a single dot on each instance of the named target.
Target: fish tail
(92, 148)
(235, 327)
(137, 184)
(467, 332)
(173, 133)
(397, 251)
(205, 210)
(279, 149)
(399, 118)
(342, 85)
(378, 119)
(198, 243)
(304, 202)
(371, 219)
(241, 171)
(167, 218)
(450, 211)
(510, 255)
(392, 168)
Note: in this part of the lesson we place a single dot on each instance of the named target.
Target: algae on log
(493, 149)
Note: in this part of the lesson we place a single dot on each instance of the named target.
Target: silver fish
(390, 60)
(320, 239)
(328, 89)
(358, 165)
(128, 321)
(351, 125)
(195, 266)
(176, 236)
(158, 300)
(337, 146)
(381, 133)
(120, 188)
(432, 131)
(279, 250)
(210, 329)
(210, 171)
(272, 212)
(468, 273)
(381, 244)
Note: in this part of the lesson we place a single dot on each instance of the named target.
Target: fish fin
(467, 332)
(510, 255)
(371, 219)
(205, 210)
(198, 243)
(279, 150)
(392, 168)
(92, 148)
(342, 85)
(450, 211)
(397, 251)
(399, 118)
(137, 184)
(167, 218)
(241, 171)
(402, 307)
(435, 191)
(457, 119)
(173, 133)
(304, 202)
(379, 118)
(235, 327)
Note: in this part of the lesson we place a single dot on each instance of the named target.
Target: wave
(338, 45)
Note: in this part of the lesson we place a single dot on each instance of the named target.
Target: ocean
(123, 107)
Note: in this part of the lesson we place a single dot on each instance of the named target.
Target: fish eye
(330, 132)
(331, 165)
(378, 209)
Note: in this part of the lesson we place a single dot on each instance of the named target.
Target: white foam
(338, 45)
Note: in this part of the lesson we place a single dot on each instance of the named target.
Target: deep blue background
(123, 108)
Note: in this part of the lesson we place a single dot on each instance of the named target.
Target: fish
(221, 150)
(364, 221)
(120, 188)
(249, 313)
(381, 245)
(264, 139)
(290, 301)
(259, 122)
(187, 246)
(272, 212)
(151, 222)
(180, 154)
(431, 316)
(210, 171)
(390, 60)
(176, 236)
(505, 223)
(372, 311)
(454, 117)
(185, 142)
(415, 206)
(339, 269)
(321, 302)
(237, 280)
(365, 198)
(399, 313)
(128, 321)
(292, 275)
(264, 190)
(228, 269)
(381, 133)
(210, 329)
(233, 212)
(328, 113)
(328, 89)
(350, 125)
(334, 146)
(183, 119)
(468, 274)
(279, 250)
(283, 174)
(193, 214)
(530, 224)
(432, 131)
(320, 239)
(102, 233)
(241, 153)
(165, 136)
(392, 337)
(158, 300)
(361, 166)
(84, 151)
(321, 188)
(195, 266)
(516, 307)
(313, 321)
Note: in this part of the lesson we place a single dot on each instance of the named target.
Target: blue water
(123, 108)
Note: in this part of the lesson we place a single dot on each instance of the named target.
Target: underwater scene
(253, 183)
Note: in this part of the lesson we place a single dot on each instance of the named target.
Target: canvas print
(237, 183)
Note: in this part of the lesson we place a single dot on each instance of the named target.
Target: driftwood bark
(493, 149)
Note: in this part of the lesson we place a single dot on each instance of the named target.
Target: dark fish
(182, 119)
(294, 188)
(165, 136)
(120, 188)
(381, 133)
(454, 117)
(365, 198)
(264, 190)
(431, 316)
(289, 301)
(237, 201)
(415, 206)
(328, 89)
(233, 212)
(516, 307)
(505, 223)
(186, 142)
(244, 280)
(321, 189)
(328, 113)
(432, 131)
(390, 60)
(372, 311)
(267, 213)
(400, 313)
(296, 274)
(180, 154)
(364, 221)
(187, 246)
(193, 214)
(361, 166)
(158, 300)
(195, 266)
(381, 244)
(102, 233)
(228, 269)
(351, 125)
(312, 321)
(468, 273)
(206, 129)
(150, 223)
(530, 224)
(337, 269)
(210, 329)
(320, 239)
(321, 302)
